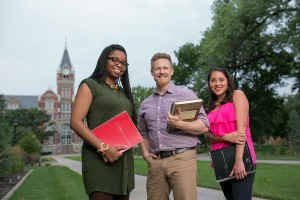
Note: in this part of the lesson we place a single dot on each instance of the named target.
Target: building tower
(65, 80)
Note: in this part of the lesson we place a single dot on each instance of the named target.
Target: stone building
(58, 105)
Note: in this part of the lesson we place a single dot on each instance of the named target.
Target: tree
(4, 141)
(294, 124)
(140, 94)
(254, 40)
(291, 103)
(187, 56)
(30, 121)
(294, 30)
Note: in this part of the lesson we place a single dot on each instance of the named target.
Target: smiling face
(162, 72)
(115, 68)
(218, 84)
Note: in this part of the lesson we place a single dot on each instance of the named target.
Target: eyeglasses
(117, 61)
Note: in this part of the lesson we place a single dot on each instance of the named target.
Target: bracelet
(103, 148)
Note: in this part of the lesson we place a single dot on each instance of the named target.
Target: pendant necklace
(113, 87)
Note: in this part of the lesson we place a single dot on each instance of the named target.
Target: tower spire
(65, 42)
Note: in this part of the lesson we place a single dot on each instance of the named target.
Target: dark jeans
(234, 189)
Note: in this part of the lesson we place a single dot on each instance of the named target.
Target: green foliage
(30, 121)
(187, 65)
(30, 144)
(282, 115)
(5, 141)
(189, 71)
(294, 125)
(292, 102)
(32, 148)
(8, 159)
(255, 56)
(16, 160)
(278, 150)
(140, 94)
(257, 41)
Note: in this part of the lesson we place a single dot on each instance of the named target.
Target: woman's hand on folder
(238, 170)
(113, 153)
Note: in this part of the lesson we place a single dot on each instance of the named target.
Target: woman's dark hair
(229, 92)
(100, 74)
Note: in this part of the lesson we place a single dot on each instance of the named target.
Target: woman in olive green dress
(99, 98)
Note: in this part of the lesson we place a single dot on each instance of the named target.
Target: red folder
(118, 131)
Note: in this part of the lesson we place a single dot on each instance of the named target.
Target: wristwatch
(103, 148)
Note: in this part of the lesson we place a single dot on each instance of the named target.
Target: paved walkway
(139, 193)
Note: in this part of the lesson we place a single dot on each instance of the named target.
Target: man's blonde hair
(158, 56)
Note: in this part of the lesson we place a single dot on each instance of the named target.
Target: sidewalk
(139, 193)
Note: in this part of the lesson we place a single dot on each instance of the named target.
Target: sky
(34, 34)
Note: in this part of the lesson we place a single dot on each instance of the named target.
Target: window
(65, 137)
(49, 104)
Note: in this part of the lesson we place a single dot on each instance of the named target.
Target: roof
(49, 92)
(65, 59)
(26, 102)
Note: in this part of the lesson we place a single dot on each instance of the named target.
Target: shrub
(32, 149)
(5, 140)
(16, 160)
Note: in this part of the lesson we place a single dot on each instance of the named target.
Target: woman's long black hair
(100, 74)
(229, 92)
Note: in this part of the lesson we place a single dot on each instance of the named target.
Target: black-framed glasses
(116, 61)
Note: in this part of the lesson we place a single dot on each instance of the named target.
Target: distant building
(58, 105)
(14, 102)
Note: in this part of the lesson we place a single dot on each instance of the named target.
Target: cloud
(32, 37)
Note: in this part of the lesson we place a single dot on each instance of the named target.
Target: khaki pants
(177, 173)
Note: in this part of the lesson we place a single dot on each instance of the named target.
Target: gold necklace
(113, 87)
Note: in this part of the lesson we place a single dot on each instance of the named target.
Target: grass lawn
(268, 152)
(272, 181)
(51, 182)
(77, 158)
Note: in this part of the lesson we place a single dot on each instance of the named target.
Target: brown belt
(166, 154)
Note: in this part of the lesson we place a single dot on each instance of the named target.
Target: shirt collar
(170, 89)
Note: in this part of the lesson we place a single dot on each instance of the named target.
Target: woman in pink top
(228, 115)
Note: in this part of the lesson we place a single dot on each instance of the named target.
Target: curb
(10, 193)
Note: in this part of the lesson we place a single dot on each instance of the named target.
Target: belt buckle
(165, 154)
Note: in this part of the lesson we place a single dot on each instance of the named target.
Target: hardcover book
(224, 159)
(189, 110)
(118, 131)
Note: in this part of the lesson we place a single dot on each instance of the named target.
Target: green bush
(32, 149)
(5, 140)
(17, 163)
(4, 157)
(279, 150)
